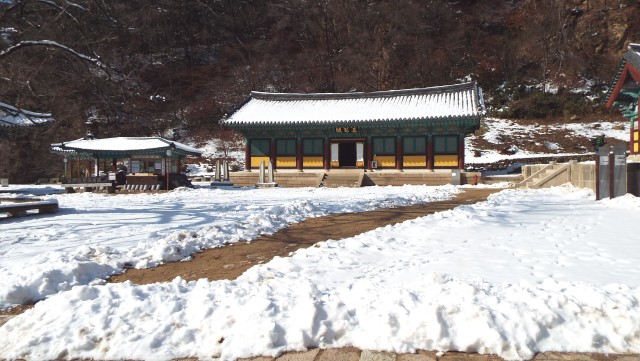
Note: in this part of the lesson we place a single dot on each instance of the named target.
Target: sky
(526, 271)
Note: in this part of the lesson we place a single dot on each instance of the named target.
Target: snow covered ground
(524, 272)
(96, 235)
(500, 132)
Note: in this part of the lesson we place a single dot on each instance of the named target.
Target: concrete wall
(581, 175)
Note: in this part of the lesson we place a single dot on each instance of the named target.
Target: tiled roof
(451, 101)
(12, 116)
(633, 55)
(124, 145)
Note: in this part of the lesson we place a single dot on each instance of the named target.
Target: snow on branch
(50, 43)
(55, 5)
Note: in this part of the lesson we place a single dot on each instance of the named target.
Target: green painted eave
(467, 123)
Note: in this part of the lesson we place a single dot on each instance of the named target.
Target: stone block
(367, 355)
(300, 356)
(420, 356)
(339, 354)
(460, 356)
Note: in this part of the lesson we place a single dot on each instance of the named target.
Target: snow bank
(97, 235)
(525, 272)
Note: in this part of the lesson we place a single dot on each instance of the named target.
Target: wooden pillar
(299, 154)
(114, 165)
(272, 153)
(368, 154)
(247, 155)
(327, 154)
(399, 153)
(461, 151)
(430, 148)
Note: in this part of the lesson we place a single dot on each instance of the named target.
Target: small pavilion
(146, 161)
(421, 128)
(625, 92)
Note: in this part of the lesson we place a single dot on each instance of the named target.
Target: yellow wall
(635, 135)
(385, 160)
(335, 164)
(286, 162)
(255, 161)
(360, 164)
(312, 162)
(414, 161)
(636, 147)
(445, 160)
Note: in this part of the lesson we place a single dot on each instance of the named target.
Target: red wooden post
(368, 155)
(430, 157)
(399, 153)
(461, 151)
(299, 154)
(247, 155)
(327, 154)
(272, 153)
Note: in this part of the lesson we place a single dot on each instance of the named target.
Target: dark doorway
(347, 154)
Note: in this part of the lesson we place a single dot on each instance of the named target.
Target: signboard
(346, 129)
(611, 168)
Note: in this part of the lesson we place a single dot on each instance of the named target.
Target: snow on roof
(459, 100)
(123, 145)
(12, 116)
(633, 55)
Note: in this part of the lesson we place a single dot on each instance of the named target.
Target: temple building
(624, 94)
(421, 129)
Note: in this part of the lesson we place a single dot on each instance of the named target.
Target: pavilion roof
(420, 104)
(124, 146)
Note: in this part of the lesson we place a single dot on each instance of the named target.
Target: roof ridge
(364, 95)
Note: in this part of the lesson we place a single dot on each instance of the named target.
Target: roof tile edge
(472, 86)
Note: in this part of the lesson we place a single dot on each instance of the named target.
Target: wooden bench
(19, 208)
(88, 184)
(88, 187)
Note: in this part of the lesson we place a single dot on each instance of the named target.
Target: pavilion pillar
(430, 148)
(247, 155)
(461, 151)
(299, 154)
(326, 159)
(399, 153)
(114, 165)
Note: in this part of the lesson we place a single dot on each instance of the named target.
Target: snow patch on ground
(526, 271)
(96, 235)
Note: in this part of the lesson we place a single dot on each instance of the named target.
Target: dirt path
(231, 261)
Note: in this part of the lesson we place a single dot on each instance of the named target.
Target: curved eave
(466, 124)
(374, 122)
(159, 152)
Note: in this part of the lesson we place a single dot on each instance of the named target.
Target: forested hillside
(175, 67)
